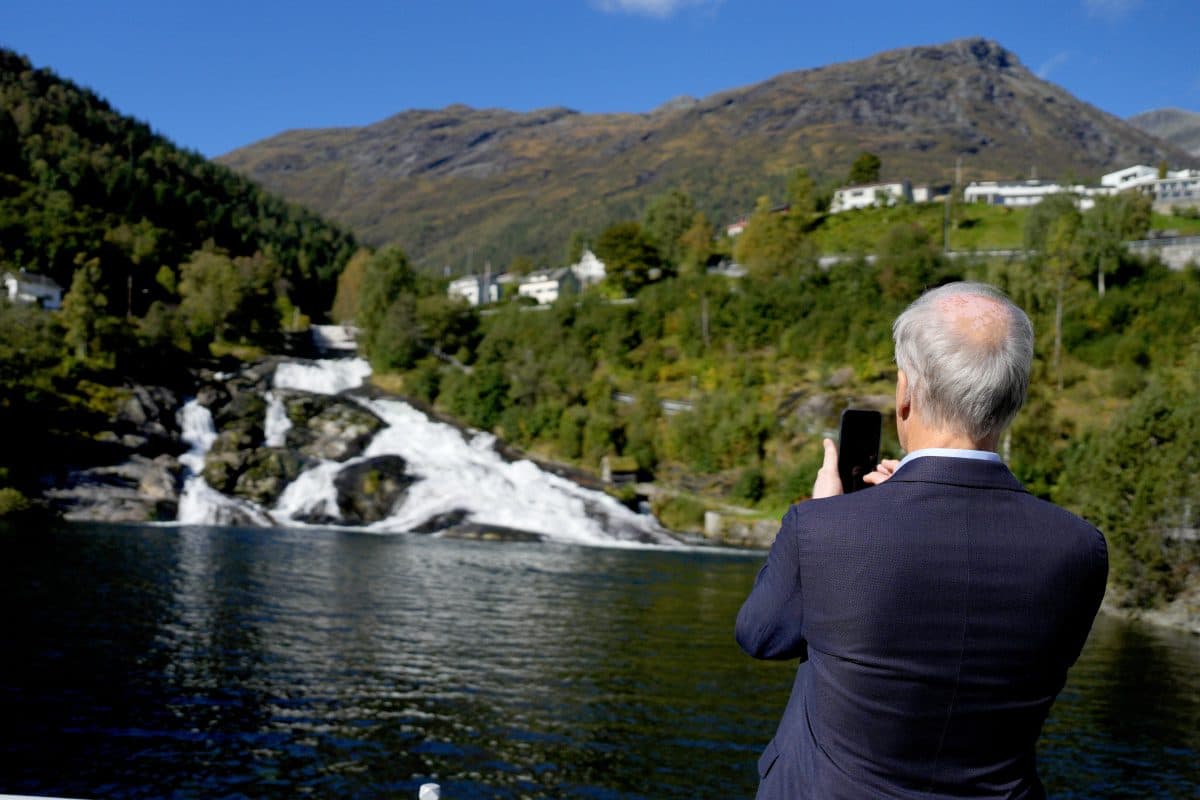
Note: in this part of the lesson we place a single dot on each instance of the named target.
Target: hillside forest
(171, 261)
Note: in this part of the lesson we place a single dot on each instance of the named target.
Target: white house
(1011, 193)
(1129, 177)
(736, 228)
(545, 286)
(1179, 187)
(26, 287)
(589, 271)
(870, 195)
(1022, 194)
(475, 289)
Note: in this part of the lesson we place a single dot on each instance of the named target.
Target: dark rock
(138, 490)
(266, 473)
(492, 533)
(328, 428)
(369, 490)
(223, 467)
(441, 522)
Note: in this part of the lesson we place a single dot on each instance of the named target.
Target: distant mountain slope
(78, 180)
(1180, 128)
(461, 182)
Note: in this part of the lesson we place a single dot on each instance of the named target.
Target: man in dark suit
(936, 612)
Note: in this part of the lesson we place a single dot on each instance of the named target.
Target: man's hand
(828, 482)
(882, 472)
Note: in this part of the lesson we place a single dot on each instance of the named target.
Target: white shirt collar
(950, 452)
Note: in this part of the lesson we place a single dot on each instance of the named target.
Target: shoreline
(1182, 614)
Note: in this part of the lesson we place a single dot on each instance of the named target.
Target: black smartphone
(858, 446)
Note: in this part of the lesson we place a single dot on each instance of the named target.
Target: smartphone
(858, 446)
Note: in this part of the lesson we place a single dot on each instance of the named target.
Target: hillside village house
(870, 195)
(1178, 188)
(589, 271)
(545, 286)
(26, 287)
(1021, 194)
(475, 289)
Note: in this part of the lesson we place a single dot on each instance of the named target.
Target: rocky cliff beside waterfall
(285, 443)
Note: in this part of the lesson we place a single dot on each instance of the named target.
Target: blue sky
(217, 75)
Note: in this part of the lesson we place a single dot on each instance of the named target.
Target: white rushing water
(199, 503)
(277, 423)
(456, 473)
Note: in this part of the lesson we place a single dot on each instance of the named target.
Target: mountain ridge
(458, 184)
(1175, 125)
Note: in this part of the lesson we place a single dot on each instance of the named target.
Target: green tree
(865, 169)
(1111, 222)
(773, 243)
(387, 278)
(697, 243)
(82, 309)
(349, 287)
(629, 257)
(908, 262)
(1138, 480)
(209, 291)
(802, 193)
(668, 218)
(1053, 250)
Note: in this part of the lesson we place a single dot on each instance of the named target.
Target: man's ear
(903, 396)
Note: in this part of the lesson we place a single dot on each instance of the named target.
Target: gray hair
(967, 385)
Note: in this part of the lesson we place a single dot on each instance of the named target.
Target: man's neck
(921, 437)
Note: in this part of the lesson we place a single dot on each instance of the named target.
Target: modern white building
(1022, 194)
(1179, 188)
(26, 287)
(1011, 193)
(475, 289)
(545, 286)
(870, 195)
(590, 270)
(1129, 177)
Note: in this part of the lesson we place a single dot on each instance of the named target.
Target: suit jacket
(936, 616)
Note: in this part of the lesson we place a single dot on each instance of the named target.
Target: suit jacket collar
(958, 472)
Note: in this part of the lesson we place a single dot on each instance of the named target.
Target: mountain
(1180, 128)
(457, 185)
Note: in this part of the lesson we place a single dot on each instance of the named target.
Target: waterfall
(199, 503)
(277, 423)
(456, 474)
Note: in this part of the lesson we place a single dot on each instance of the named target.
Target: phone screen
(858, 446)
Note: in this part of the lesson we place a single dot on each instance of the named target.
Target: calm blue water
(201, 662)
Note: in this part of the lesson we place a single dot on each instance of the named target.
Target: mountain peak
(499, 183)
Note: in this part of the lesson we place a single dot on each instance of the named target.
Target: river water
(209, 662)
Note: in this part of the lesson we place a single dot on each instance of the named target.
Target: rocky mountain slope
(461, 184)
(1180, 128)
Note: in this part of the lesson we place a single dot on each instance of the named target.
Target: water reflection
(200, 662)
(1128, 722)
